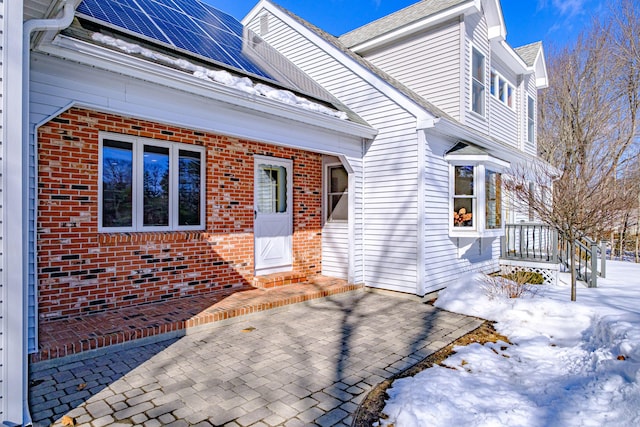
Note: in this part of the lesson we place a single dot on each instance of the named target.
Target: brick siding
(83, 271)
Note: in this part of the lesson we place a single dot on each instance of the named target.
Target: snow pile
(223, 77)
(570, 364)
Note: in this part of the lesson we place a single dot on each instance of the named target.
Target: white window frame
(531, 120)
(480, 163)
(138, 144)
(498, 81)
(483, 83)
(327, 192)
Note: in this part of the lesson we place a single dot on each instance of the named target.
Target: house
(454, 106)
(162, 162)
(166, 157)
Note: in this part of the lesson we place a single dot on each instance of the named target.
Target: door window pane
(156, 186)
(338, 203)
(189, 167)
(117, 184)
(272, 189)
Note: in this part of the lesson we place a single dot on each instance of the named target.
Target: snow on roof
(244, 84)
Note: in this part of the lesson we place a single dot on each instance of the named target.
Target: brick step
(274, 280)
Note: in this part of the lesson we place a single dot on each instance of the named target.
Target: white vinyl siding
(335, 250)
(390, 184)
(3, 277)
(13, 316)
(447, 257)
(428, 64)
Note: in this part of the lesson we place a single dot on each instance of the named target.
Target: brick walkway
(307, 364)
(60, 338)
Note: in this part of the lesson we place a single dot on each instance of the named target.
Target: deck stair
(541, 248)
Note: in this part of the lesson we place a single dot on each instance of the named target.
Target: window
(531, 120)
(468, 183)
(337, 193)
(477, 82)
(501, 89)
(148, 185)
(475, 195)
(272, 189)
(493, 199)
(464, 198)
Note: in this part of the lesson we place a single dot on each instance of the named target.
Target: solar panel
(189, 25)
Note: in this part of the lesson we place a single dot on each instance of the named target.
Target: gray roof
(401, 18)
(419, 100)
(467, 149)
(289, 77)
(529, 52)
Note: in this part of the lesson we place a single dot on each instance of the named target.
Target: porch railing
(527, 241)
(534, 242)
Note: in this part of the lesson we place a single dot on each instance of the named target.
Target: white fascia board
(477, 159)
(414, 27)
(507, 153)
(540, 68)
(495, 21)
(122, 63)
(509, 56)
(375, 81)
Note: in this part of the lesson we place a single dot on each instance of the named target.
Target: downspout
(28, 144)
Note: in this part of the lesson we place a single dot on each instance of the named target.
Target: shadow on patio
(71, 336)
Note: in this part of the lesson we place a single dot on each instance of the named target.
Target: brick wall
(83, 271)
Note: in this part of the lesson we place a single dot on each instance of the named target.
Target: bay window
(475, 192)
(149, 185)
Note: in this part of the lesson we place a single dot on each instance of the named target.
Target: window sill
(150, 236)
(477, 115)
(499, 232)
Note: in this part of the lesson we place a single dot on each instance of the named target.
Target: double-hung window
(149, 185)
(337, 193)
(477, 82)
(464, 196)
(531, 120)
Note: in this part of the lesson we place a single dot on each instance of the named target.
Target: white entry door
(273, 224)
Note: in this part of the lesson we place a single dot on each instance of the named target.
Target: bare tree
(588, 131)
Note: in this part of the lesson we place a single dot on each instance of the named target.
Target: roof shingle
(401, 18)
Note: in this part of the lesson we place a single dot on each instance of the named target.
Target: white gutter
(119, 62)
(28, 28)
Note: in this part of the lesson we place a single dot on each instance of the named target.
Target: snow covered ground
(570, 364)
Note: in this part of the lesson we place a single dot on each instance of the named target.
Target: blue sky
(554, 22)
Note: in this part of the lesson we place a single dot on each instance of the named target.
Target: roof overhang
(540, 69)
(424, 118)
(465, 153)
(87, 53)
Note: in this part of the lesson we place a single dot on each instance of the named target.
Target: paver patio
(308, 364)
